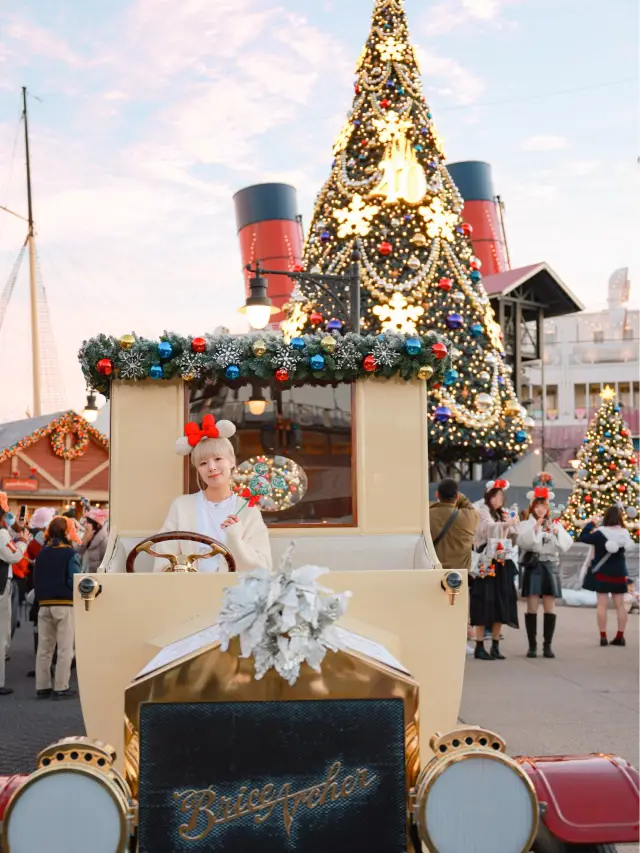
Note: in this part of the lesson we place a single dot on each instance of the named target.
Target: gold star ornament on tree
(439, 222)
(356, 219)
(343, 138)
(390, 126)
(391, 50)
(398, 315)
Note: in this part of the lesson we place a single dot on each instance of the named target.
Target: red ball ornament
(316, 318)
(385, 248)
(364, 142)
(624, 433)
(198, 345)
(612, 466)
(621, 487)
(467, 229)
(298, 268)
(439, 350)
(105, 366)
(385, 103)
(357, 88)
(475, 264)
(282, 374)
(445, 284)
(369, 363)
(587, 499)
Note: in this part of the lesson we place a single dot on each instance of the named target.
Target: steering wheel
(181, 563)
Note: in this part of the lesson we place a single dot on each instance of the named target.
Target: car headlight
(75, 801)
(473, 797)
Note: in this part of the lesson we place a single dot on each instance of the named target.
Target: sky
(146, 116)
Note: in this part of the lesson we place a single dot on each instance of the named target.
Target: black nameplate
(268, 777)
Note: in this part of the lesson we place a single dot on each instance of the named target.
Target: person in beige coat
(215, 511)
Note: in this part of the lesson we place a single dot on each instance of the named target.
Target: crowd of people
(39, 556)
(508, 553)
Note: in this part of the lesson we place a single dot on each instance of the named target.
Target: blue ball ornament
(500, 380)
(334, 325)
(475, 275)
(165, 350)
(400, 90)
(521, 436)
(325, 236)
(156, 371)
(424, 131)
(601, 450)
(232, 371)
(317, 362)
(476, 329)
(417, 148)
(413, 346)
(451, 377)
(429, 115)
(408, 217)
(454, 321)
(297, 343)
(607, 434)
(442, 414)
(390, 84)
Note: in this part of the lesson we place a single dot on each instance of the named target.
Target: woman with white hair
(215, 511)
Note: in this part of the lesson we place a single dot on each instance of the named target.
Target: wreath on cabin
(59, 444)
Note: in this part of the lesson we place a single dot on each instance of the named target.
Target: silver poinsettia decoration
(283, 618)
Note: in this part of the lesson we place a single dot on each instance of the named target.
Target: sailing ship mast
(33, 290)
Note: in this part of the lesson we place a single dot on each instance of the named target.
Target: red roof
(550, 290)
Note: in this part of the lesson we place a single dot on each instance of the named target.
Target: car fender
(8, 786)
(586, 799)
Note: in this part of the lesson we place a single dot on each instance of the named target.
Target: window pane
(305, 436)
(594, 395)
(598, 336)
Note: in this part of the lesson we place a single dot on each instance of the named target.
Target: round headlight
(475, 798)
(75, 801)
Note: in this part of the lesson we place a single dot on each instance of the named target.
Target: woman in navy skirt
(607, 573)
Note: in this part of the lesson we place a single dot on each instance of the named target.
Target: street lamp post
(258, 304)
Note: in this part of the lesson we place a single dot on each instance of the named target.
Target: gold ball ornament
(127, 341)
(425, 371)
(413, 263)
(328, 343)
(259, 348)
(419, 239)
(512, 408)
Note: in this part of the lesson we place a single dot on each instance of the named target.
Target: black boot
(548, 629)
(496, 654)
(531, 624)
(480, 652)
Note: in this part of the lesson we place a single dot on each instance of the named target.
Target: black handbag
(4, 576)
(529, 559)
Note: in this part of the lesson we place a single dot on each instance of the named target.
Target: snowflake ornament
(131, 366)
(391, 126)
(383, 352)
(226, 354)
(440, 223)
(191, 366)
(390, 50)
(355, 219)
(286, 358)
(398, 315)
(347, 356)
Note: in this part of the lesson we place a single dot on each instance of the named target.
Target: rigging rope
(8, 288)
(53, 391)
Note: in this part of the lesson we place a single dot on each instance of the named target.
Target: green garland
(265, 358)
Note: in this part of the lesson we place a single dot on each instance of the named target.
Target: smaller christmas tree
(608, 472)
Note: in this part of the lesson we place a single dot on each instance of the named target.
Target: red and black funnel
(270, 232)
(475, 184)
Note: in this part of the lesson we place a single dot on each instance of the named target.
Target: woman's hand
(229, 520)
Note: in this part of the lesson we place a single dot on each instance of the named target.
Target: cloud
(43, 44)
(545, 143)
(449, 15)
(462, 85)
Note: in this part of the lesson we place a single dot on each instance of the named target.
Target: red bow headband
(542, 493)
(194, 434)
(497, 484)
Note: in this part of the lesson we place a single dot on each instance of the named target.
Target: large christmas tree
(390, 199)
(607, 473)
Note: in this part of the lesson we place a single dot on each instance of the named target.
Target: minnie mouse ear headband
(497, 484)
(542, 486)
(193, 434)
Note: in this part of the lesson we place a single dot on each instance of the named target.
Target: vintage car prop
(265, 712)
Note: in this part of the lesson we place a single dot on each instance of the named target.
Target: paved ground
(586, 700)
